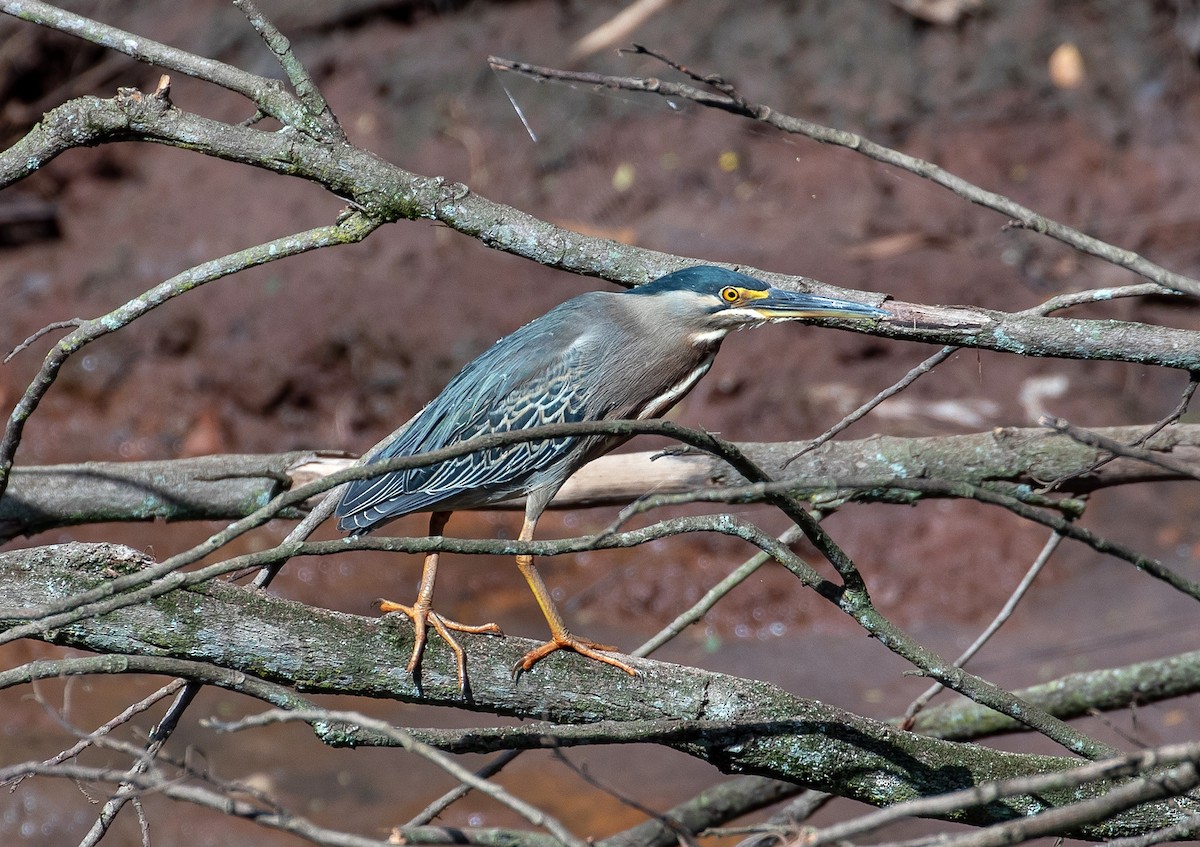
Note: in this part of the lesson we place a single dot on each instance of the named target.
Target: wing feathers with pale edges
(490, 395)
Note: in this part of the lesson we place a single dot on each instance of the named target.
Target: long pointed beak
(782, 305)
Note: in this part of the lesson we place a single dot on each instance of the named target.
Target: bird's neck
(672, 394)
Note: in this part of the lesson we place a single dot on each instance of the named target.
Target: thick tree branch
(1053, 821)
(202, 488)
(751, 727)
(229, 487)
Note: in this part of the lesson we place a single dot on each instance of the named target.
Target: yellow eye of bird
(730, 294)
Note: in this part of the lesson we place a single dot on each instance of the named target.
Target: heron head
(712, 301)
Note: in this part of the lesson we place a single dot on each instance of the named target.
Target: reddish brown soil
(334, 350)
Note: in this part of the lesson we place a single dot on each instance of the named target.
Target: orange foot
(567, 641)
(422, 616)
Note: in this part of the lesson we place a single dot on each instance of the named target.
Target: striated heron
(599, 356)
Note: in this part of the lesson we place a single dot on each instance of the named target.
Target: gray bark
(738, 725)
(230, 487)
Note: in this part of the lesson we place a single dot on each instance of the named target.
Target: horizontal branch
(750, 726)
(194, 489)
(229, 487)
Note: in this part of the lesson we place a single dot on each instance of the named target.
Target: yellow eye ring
(730, 294)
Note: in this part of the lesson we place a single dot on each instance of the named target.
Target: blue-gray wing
(494, 393)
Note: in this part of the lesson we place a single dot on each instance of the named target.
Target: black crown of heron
(599, 356)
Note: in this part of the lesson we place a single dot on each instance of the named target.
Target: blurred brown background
(1088, 112)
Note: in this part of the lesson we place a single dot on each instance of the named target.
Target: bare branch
(766, 731)
(230, 487)
(267, 94)
(388, 193)
(302, 82)
(1150, 786)
(352, 227)
(727, 99)
(992, 628)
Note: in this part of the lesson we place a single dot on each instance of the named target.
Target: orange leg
(422, 614)
(560, 638)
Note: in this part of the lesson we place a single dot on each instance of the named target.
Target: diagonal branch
(726, 98)
(388, 193)
(350, 228)
(266, 94)
(306, 90)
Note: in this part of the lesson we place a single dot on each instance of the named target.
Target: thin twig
(349, 229)
(128, 789)
(711, 597)
(461, 790)
(1094, 295)
(1170, 418)
(683, 834)
(123, 718)
(726, 98)
(267, 94)
(72, 322)
(532, 814)
(862, 411)
(1116, 448)
(992, 628)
